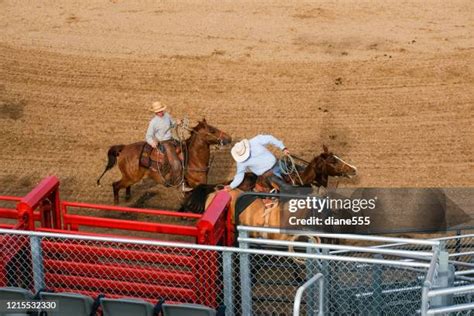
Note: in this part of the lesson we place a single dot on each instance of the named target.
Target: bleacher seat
(71, 304)
(14, 294)
(126, 307)
(187, 310)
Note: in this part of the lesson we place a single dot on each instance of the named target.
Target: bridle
(219, 138)
(337, 177)
(325, 162)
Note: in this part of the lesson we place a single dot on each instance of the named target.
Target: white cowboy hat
(241, 150)
(157, 107)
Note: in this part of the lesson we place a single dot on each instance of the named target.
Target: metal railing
(339, 236)
(468, 289)
(299, 294)
(428, 282)
(248, 280)
(41, 209)
(437, 286)
(377, 276)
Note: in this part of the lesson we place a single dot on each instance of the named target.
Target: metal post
(37, 262)
(321, 298)
(299, 293)
(228, 283)
(428, 282)
(443, 279)
(245, 278)
(425, 301)
(310, 272)
(326, 275)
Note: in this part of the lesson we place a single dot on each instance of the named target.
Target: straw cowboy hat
(241, 150)
(157, 106)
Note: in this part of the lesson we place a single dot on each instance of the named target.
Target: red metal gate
(186, 276)
(42, 210)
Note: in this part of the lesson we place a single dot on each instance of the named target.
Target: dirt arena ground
(388, 85)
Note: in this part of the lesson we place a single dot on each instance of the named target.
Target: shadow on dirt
(143, 199)
(11, 109)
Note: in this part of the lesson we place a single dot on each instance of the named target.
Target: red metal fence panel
(41, 209)
(179, 275)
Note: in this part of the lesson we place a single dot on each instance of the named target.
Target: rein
(205, 169)
(300, 159)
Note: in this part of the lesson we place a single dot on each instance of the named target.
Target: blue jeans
(277, 171)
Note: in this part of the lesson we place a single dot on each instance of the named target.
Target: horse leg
(118, 185)
(116, 188)
(130, 169)
(128, 193)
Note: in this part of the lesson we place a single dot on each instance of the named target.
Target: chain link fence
(459, 272)
(349, 287)
(364, 282)
(248, 280)
(116, 269)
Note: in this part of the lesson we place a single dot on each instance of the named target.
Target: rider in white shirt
(252, 155)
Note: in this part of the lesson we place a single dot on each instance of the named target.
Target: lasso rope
(288, 167)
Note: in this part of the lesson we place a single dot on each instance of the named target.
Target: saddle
(269, 183)
(265, 183)
(155, 159)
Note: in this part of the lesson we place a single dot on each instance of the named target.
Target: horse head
(327, 164)
(211, 134)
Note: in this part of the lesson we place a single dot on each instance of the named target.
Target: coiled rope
(288, 167)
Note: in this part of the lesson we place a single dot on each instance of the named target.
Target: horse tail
(112, 154)
(196, 201)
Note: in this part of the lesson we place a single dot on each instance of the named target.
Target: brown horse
(317, 172)
(257, 214)
(261, 213)
(198, 155)
(326, 165)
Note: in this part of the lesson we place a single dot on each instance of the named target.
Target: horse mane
(316, 171)
(195, 202)
(196, 128)
(321, 172)
(309, 171)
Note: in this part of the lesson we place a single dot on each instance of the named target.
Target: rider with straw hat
(159, 128)
(159, 136)
(251, 154)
